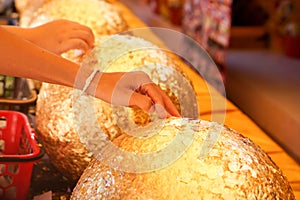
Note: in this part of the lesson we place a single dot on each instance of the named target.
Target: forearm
(21, 32)
(21, 58)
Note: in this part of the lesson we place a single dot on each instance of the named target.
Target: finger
(79, 26)
(157, 98)
(85, 35)
(161, 111)
(160, 97)
(73, 44)
(85, 31)
(145, 103)
(169, 105)
(141, 101)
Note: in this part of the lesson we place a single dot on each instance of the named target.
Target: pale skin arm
(20, 57)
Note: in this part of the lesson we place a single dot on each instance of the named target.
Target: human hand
(133, 89)
(60, 36)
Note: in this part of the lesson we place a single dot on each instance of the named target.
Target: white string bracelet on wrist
(88, 81)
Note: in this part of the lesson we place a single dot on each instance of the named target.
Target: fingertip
(171, 108)
(91, 40)
(175, 113)
(161, 111)
(168, 115)
(141, 101)
(81, 44)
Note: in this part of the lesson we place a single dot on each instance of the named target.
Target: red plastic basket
(18, 152)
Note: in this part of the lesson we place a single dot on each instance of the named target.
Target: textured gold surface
(103, 18)
(235, 168)
(59, 138)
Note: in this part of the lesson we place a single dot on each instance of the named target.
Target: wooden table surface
(234, 117)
